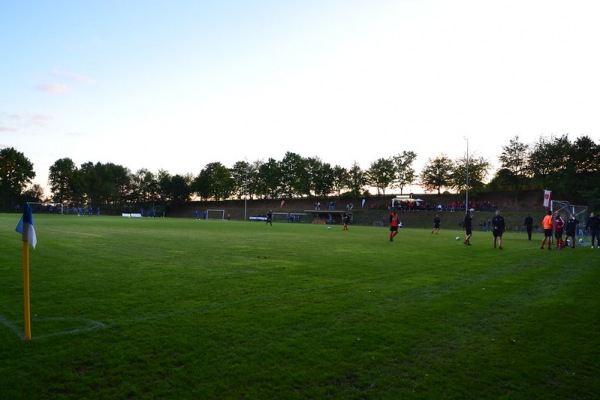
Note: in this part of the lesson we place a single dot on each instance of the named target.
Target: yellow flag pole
(26, 290)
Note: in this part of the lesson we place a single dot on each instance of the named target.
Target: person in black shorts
(468, 225)
(436, 224)
(270, 218)
(529, 225)
(498, 227)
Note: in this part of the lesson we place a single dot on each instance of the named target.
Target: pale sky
(177, 84)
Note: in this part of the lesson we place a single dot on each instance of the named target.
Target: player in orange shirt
(394, 222)
(547, 225)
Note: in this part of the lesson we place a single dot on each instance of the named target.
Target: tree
(254, 178)
(356, 180)
(514, 158)
(380, 174)
(539, 164)
(144, 187)
(62, 178)
(214, 181)
(562, 175)
(341, 179)
(436, 174)
(294, 176)
(404, 173)
(239, 176)
(269, 175)
(105, 184)
(174, 189)
(321, 177)
(584, 166)
(34, 193)
(16, 172)
(179, 189)
(478, 171)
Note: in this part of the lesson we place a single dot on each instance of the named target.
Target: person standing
(593, 224)
(270, 218)
(547, 226)
(394, 223)
(529, 225)
(468, 225)
(559, 224)
(571, 230)
(345, 220)
(498, 227)
(436, 224)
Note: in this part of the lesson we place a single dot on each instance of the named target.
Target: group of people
(558, 227)
(498, 228)
(553, 226)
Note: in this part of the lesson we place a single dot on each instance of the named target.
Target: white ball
(580, 240)
(458, 238)
(328, 227)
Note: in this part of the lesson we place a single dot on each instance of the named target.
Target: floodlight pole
(246, 193)
(467, 182)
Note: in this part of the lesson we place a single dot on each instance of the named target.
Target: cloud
(16, 122)
(53, 88)
(82, 79)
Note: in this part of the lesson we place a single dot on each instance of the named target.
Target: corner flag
(26, 229)
(25, 226)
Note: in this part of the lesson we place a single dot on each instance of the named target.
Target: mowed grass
(186, 309)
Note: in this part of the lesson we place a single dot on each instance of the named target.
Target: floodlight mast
(246, 193)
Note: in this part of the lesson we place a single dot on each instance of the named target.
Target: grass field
(186, 309)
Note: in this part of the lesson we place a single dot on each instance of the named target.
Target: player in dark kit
(270, 218)
(593, 224)
(468, 224)
(498, 226)
(436, 224)
(529, 225)
(571, 230)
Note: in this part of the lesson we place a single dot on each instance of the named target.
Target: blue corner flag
(25, 226)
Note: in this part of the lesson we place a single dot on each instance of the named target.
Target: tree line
(570, 168)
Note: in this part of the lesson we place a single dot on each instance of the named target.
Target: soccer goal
(46, 207)
(568, 209)
(280, 216)
(215, 214)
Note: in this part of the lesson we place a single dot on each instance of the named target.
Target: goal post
(215, 214)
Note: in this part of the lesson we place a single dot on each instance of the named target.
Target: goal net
(215, 214)
(567, 209)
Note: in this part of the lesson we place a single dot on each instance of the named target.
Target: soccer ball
(328, 227)
(458, 238)
(472, 210)
(580, 240)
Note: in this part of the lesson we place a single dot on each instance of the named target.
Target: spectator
(528, 225)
